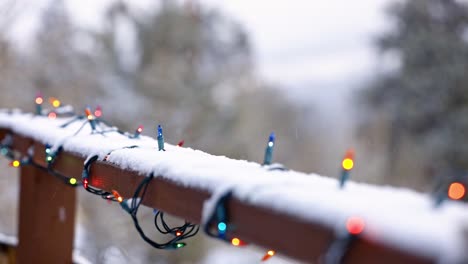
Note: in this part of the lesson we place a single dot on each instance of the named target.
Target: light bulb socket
(344, 178)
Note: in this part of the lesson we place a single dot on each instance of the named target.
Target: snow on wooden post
(46, 215)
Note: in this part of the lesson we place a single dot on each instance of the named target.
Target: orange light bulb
(456, 191)
(88, 114)
(268, 255)
(117, 196)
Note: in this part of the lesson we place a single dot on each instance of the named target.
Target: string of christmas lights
(85, 180)
(218, 225)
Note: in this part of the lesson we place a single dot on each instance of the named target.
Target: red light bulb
(355, 225)
(39, 100)
(52, 115)
(98, 111)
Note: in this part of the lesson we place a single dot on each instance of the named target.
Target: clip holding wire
(5, 146)
(219, 218)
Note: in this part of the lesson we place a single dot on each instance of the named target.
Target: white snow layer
(398, 217)
(10, 240)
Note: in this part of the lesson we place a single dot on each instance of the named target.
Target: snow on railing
(400, 219)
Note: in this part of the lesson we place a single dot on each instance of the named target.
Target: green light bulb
(180, 245)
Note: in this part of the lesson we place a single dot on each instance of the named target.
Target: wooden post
(46, 218)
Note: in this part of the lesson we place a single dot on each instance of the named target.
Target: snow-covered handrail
(293, 213)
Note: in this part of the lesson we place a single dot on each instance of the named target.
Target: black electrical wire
(174, 243)
(99, 123)
(51, 170)
(85, 181)
(73, 120)
(28, 160)
(185, 230)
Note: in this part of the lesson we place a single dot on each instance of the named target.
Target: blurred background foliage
(192, 69)
(185, 67)
(418, 110)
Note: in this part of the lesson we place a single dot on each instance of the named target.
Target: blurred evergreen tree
(426, 98)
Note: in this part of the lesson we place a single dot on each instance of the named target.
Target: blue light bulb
(222, 227)
(160, 139)
(269, 150)
(160, 133)
(272, 137)
(4, 151)
(47, 148)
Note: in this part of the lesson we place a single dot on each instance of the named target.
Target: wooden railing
(47, 214)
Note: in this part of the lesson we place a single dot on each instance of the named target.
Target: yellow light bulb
(348, 164)
(16, 163)
(235, 242)
(56, 103)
